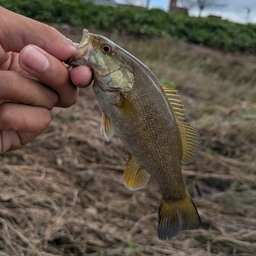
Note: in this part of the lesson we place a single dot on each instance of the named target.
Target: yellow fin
(176, 216)
(106, 128)
(191, 142)
(174, 102)
(134, 176)
(125, 106)
(189, 136)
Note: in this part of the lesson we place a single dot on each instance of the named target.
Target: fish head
(104, 57)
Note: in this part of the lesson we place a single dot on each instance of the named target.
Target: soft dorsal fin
(106, 128)
(191, 142)
(189, 136)
(134, 176)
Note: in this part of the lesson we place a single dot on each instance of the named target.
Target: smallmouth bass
(149, 119)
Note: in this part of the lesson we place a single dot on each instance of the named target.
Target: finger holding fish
(81, 76)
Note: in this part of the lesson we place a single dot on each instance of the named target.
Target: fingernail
(35, 60)
(73, 43)
(68, 39)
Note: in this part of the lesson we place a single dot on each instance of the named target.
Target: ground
(62, 194)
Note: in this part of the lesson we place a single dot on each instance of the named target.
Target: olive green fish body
(151, 135)
(149, 120)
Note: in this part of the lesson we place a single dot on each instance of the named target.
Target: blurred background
(62, 194)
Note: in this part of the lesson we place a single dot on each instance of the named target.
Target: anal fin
(134, 176)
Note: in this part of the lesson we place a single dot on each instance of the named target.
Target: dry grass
(63, 195)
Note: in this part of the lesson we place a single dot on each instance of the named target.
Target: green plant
(166, 81)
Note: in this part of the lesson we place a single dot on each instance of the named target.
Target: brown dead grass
(63, 194)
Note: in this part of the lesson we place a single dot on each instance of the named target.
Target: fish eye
(106, 48)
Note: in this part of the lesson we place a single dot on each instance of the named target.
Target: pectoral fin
(106, 128)
(134, 176)
(125, 106)
(189, 136)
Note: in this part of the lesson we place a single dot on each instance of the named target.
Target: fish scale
(149, 119)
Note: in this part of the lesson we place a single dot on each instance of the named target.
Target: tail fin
(176, 216)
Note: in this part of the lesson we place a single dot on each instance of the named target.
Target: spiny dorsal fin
(175, 102)
(134, 176)
(106, 128)
(189, 136)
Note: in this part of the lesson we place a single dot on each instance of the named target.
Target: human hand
(33, 78)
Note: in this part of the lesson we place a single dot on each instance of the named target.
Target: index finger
(17, 31)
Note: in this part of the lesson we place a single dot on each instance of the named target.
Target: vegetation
(211, 32)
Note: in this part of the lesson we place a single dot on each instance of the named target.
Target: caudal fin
(176, 216)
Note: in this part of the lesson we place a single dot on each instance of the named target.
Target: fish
(149, 119)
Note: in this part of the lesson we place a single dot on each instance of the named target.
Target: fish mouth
(83, 51)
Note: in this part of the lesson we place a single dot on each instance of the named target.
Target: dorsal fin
(190, 142)
(175, 102)
(189, 136)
